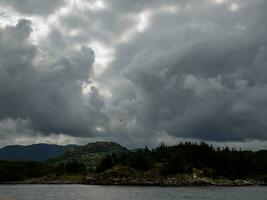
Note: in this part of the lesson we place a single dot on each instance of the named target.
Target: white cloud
(234, 7)
(104, 55)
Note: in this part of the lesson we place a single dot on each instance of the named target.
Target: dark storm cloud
(45, 90)
(197, 70)
(33, 7)
(201, 75)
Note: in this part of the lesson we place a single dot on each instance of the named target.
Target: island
(108, 163)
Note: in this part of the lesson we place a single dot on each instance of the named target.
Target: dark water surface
(84, 192)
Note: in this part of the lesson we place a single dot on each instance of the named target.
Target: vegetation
(183, 158)
(16, 171)
(91, 154)
(11, 171)
(75, 161)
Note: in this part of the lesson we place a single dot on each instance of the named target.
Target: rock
(177, 180)
(242, 183)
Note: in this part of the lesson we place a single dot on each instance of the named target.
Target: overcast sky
(137, 72)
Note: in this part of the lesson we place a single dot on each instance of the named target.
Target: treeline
(165, 160)
(185, 157)
(11, 171)
(19, 170)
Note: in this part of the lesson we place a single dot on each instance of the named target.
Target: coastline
(175, 181)
(170, 181)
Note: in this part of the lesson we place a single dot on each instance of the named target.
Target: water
(84, 192)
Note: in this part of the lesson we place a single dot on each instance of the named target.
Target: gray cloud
(196, 75)
(197, 70)
(46, 90)
(33, 7)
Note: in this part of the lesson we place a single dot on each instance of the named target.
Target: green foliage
(91, 154)
(175, 164)
(183, 157)
(106, 163)
(75, 168)
(202, 159)
(140, 160)
(17, 171)
(59, 169)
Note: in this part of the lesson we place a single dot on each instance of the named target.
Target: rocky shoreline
(177, 181)
(170, 181)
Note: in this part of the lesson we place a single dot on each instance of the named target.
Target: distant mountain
(92, 153)
(34, 152)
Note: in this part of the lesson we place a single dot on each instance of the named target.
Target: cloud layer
(137, 71)
(46, 90)
(33, 7)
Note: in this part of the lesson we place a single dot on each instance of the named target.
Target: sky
(137, 72)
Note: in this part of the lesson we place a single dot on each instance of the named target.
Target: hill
(92, 153)
(107, 163)
(98, 147)
(34, 152)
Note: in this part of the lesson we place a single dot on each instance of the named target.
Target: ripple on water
(86, 192)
